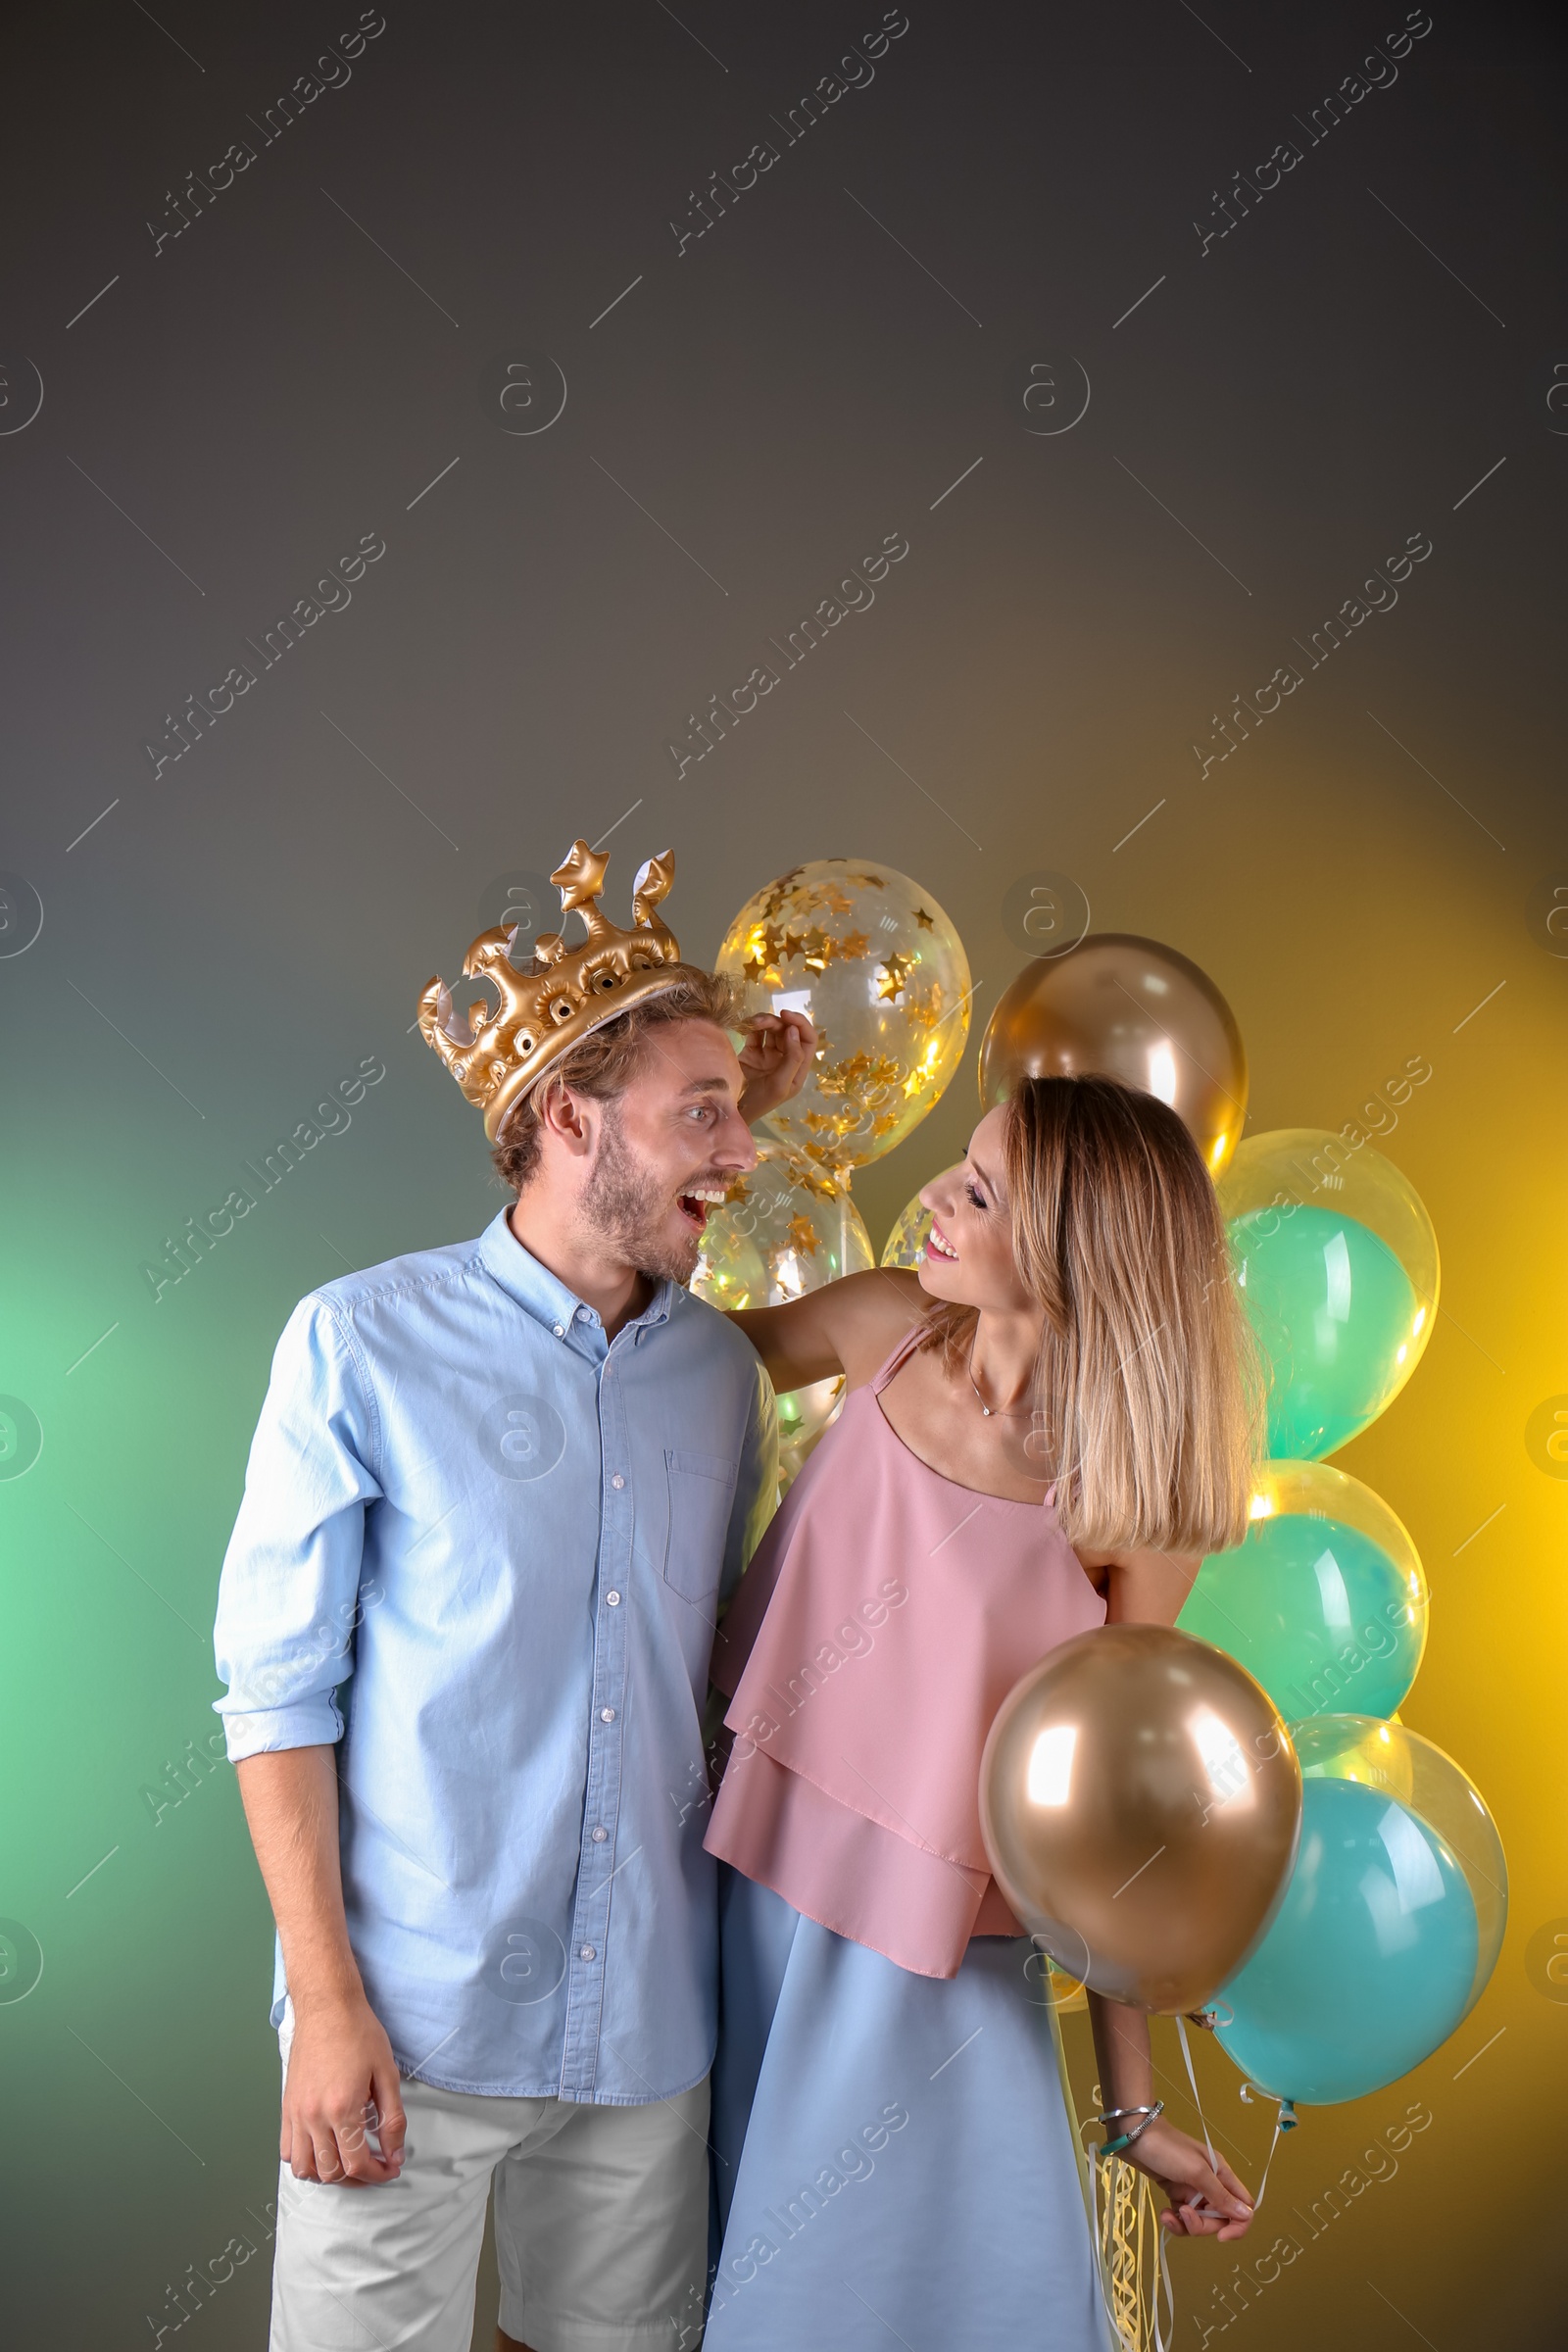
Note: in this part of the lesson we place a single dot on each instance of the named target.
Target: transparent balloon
(880, 969)
(1119, 1006)
(786, 1226)
(1337, 1262)
(906, 1244)
(1390, 1925)
(1325, 1599)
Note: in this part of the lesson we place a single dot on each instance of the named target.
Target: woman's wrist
(1130, 2130)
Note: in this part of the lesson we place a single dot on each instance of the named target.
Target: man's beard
(627, 1208)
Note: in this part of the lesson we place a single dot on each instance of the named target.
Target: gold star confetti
(857, 1073)
(802, 1237)
(927, 922)
(854, 944)
(891, 978)
(780, 892)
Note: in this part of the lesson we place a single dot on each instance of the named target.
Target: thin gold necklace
(997, 1412)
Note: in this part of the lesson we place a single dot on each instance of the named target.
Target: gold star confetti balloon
(881, 971)
(786, 1226)
(906, 1244)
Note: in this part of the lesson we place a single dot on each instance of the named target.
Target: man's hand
(775, 1058)
(342, 2081)
(342, 2085)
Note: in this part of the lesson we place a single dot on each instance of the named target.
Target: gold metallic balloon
(875, 963)
(1117, 1007)
(1141, 1802)
(784, 1227)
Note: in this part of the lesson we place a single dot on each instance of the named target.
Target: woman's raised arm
(848, 1325)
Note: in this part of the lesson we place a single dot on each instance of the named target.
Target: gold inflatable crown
(565, 994)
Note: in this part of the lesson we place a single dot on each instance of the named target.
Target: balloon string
(1096, 2247)
(1284, 2121)
(1119, 2245)
(1208, 2145)
(1163, 2343)
(1098, 2241)
(1263, 2184)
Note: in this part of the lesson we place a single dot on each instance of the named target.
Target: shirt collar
(545, 1297)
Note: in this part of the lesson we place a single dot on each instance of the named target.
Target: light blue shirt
(483, 1548)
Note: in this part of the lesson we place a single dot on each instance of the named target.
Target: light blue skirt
(892, 2155)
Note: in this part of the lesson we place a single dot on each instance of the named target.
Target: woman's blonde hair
(1148, 1391)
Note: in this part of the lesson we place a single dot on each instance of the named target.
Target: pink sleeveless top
(885, 1617)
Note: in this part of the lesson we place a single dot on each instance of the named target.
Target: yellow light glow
(1262, 1507)
(788, 1277)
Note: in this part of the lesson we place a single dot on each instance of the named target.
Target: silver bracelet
(1124, 2140)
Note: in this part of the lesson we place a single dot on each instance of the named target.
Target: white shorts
(601, 2219)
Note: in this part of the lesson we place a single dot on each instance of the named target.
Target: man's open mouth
(693, 1206)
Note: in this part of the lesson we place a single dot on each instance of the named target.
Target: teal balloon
(1368, 1963)
(1336, 1317)
(1316, 1611)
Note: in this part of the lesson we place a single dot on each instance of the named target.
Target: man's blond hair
(608, 1058)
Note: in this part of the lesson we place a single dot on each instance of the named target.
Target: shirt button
(587, 1952)
(606, 1714)
(613, 1599)
(600, 1835)
(559, 1330)
(617, 1482)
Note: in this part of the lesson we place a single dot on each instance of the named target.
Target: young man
(495, 1497)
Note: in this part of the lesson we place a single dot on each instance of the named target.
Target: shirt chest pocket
(700, 1491)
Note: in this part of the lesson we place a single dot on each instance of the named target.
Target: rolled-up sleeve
(756, 1484)
(289, 1597)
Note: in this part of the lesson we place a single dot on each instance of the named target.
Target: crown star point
(580, 876)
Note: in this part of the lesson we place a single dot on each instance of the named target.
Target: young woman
(1046, 1428)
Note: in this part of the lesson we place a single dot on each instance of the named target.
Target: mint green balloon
(1316, 1611)
(1335, 1316)
(1369, 1961)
